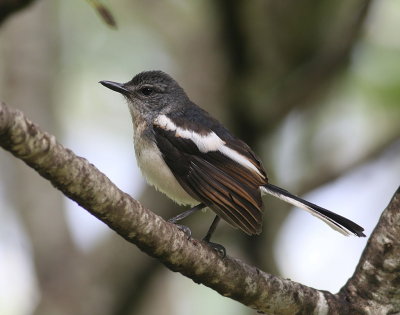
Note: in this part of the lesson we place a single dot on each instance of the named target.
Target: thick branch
(84, 183)
(375, 285)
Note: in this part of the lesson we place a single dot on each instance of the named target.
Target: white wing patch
(237, 157)
(210, 142)
(206, 143)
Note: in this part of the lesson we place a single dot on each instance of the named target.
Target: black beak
(115, 86)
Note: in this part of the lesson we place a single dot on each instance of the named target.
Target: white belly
(158, 174)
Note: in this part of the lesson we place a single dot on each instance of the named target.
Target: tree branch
(375, 285)
(85, 184)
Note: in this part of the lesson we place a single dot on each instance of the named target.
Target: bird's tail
(335, 221)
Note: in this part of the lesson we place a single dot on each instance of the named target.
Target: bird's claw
(217, 247)
(184, 229)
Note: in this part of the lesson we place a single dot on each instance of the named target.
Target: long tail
(335, 221)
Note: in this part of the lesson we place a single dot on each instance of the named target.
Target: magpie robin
(192, 158)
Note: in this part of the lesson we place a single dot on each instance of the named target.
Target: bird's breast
(156, 171)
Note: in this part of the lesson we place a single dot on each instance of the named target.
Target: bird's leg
(219, 248)
(183, 215)
(211, 229)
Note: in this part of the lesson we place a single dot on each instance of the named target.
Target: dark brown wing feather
(236, 203)
(228, 188)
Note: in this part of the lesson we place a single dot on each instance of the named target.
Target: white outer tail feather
(334, 225)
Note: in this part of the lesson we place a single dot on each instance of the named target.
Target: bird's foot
(183, 228)
(217, 247)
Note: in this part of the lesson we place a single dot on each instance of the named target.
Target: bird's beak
(115, 86)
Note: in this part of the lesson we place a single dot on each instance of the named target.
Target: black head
(151, 93)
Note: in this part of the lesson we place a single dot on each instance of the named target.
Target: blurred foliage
(8, 7)
(380, 80)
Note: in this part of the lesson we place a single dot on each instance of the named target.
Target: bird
(194, 160)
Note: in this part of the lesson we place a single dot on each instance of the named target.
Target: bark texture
(375, 285)
(373, 289)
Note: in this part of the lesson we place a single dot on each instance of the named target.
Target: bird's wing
(217, 169)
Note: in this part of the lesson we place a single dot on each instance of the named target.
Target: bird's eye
(146, 91)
